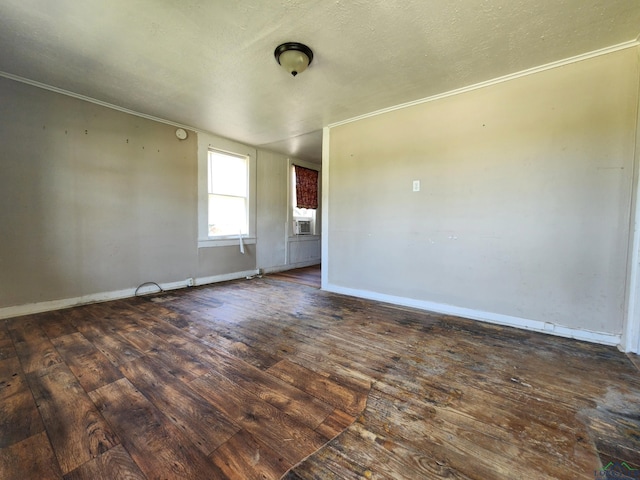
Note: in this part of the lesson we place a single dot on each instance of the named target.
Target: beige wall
(91, 199)
(272, 209)
(525, 198)
(95, 201)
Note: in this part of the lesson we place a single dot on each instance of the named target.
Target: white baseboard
(489, 317)
(225, 277)
(31, 308)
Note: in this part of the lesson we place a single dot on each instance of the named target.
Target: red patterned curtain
(306, 187)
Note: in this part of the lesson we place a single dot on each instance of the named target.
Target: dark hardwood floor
(310, 276)
(261, 378)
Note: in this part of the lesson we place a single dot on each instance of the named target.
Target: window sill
(225, 242)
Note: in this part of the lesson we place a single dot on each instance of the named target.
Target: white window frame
(300, 213)
(317, 218)
(207, 142)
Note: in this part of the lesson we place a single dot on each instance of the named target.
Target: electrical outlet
(190, 282)
(416, 185)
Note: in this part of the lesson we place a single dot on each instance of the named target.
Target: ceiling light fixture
(294, 57)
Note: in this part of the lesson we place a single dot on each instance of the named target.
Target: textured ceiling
(209, 64)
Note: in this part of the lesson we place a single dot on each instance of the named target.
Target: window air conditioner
(303, 227)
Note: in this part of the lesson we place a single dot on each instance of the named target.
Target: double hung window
(228, 194)
(304, 188)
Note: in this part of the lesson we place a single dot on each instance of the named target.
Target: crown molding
(495, 81)
(95, 101)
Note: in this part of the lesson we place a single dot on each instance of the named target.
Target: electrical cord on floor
(148, 283)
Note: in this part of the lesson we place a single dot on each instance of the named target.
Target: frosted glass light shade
(294, 57)
(294, 62)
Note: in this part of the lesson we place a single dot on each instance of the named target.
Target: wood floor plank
(112, 346)
(111, 317)
(283, 342)
(179, 339)
(301, 406)
(330, 463)
(282, 337)
(217, 337)
(378, 457)
(157, 446)
(265, 422)
(534, 421)
(206, 426)
(31, 458)
(340, 371)
(312, 355)
(538, 376)
(199, 326)
(183, 354)
(56, 324)
(616, 433)
(142, 340)
(7, 349)
(77, 431)
(184, 364)
(19, 417)
(425, 428)
(246, 458)
(146, 312)
(257, 357)
(322, 387)
(334, 424)
(114, 464)
(33, 347)
(88, 364)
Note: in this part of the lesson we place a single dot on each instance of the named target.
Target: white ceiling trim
(495, 81)
(95, 101)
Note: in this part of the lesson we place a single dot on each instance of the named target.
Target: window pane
(304, 213)
(227, 174)
(227, 215)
